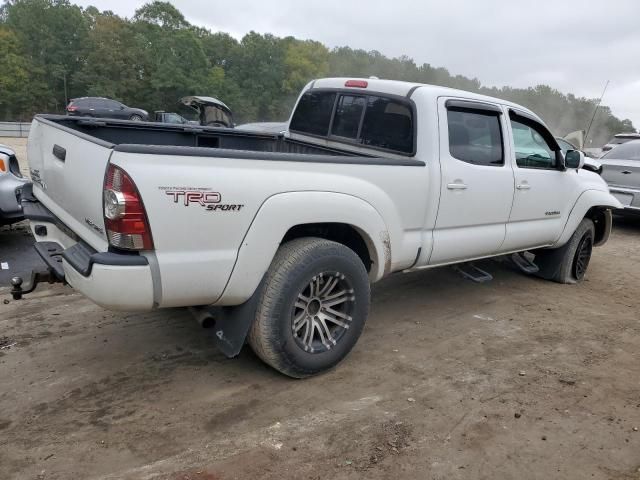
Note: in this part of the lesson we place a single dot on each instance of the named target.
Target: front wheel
(312, 308)
(568, 264)
(135, 118)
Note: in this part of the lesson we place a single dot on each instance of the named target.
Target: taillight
(124, 214)
(72, 108)
(356, 83)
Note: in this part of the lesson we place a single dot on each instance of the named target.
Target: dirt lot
(518, 378)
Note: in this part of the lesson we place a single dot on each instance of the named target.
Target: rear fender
(280, 213)
(587, 200)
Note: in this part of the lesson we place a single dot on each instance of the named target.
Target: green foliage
(153, 59)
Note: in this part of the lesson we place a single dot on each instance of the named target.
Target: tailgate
(67, 169)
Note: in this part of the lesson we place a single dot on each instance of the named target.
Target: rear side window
(313, 113)
(111, 104)
(475, 137)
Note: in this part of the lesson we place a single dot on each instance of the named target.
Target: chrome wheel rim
(322, 312)
(583, 255)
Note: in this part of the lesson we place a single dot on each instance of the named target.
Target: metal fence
(14, 129)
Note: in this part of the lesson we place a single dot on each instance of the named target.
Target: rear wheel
(135, 118)
(569, 264)
(312, 309)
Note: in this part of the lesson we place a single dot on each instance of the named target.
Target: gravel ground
(518, 378)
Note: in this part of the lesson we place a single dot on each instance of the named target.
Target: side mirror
(121, 107)
(574, 159)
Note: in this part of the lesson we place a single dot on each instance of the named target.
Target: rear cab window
(370, 120)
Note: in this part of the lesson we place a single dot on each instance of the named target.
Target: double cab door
(503, 186)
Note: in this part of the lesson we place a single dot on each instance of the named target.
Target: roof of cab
(404, 89)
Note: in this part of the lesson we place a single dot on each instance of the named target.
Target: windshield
(627, 151)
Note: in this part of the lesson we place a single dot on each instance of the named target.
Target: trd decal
(552, 214)
(211, 201)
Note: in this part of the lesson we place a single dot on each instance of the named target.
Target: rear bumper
(117, 281)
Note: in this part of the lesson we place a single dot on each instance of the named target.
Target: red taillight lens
(72, 108)
(124, 214)
(356, 83)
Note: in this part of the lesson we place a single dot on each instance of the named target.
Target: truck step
(524, 264)
(473, 273)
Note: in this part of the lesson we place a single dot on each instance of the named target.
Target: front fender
(586, 201)
(283, 211)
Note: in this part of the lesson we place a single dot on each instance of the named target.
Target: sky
(572, 45)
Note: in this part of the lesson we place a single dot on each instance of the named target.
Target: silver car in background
(11, 183)
(621, 170)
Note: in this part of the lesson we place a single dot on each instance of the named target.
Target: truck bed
(111, 133)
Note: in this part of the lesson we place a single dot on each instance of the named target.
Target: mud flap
(232, 324)
(549, 261)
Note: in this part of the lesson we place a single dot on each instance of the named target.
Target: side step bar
(524, 264)
(473, 273)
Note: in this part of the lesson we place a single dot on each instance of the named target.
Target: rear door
(545, 192)
(477, 182)
(68, 173)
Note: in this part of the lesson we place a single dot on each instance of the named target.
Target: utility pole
(594, 114)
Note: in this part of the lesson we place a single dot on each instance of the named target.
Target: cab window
(346, 121)
(532, 150)
(313, 113)
(475, 137)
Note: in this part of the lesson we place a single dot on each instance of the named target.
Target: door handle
(523, 186)
(456, 186)
(626, 172)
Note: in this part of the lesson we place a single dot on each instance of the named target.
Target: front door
(545, 192)
(477, 181)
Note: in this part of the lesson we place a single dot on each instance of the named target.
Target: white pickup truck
(279, 236)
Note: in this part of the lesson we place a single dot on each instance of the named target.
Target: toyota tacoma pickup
(274, 239)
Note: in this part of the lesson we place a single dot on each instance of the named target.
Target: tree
(156, 57)
(112, 65)
(23, 91)
(162, 14)
(53, 36)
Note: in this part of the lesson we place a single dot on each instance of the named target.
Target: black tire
(300, 268)
(569, 263)
(135, 118)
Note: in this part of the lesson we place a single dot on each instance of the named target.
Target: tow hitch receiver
(51, 254)
(19, 288)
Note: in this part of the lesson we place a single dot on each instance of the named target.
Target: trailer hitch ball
(16, 291)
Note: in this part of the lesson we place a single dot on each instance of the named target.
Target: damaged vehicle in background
(161, 116)
(211, 111)
(621, 170)
(11, 183)
(590, 164)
